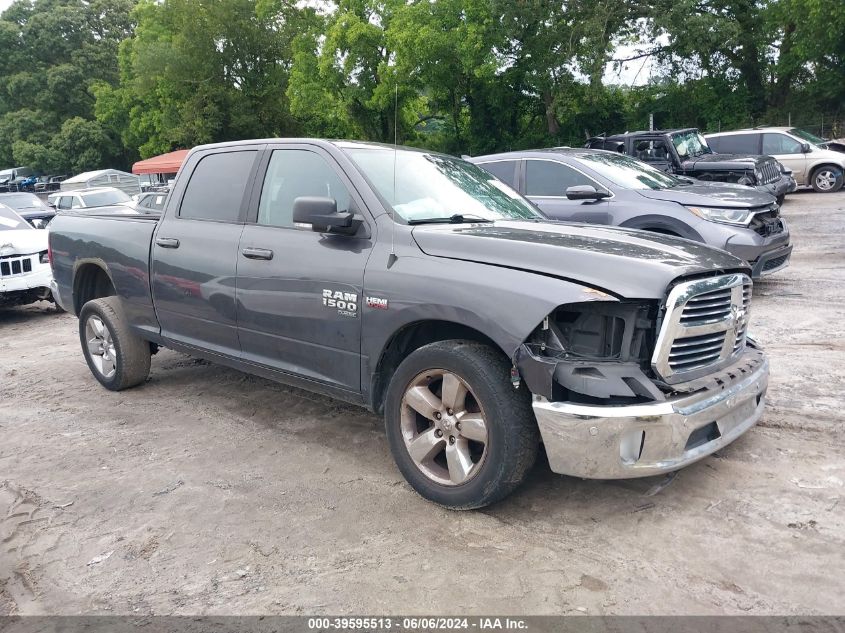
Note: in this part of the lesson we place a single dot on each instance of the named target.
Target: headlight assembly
(740, 217)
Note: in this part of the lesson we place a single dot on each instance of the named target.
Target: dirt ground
(207, 491)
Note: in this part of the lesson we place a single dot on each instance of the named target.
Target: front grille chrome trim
(703, 327)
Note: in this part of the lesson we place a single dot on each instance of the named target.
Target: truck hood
(625, 262)
(24, 242)
(714, 160)
(711, 194)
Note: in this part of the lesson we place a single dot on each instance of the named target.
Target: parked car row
(812, 163)
(22, 179)
(686, 152)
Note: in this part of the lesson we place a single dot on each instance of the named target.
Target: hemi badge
(377, 303)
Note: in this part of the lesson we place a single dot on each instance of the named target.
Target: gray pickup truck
(417, 285)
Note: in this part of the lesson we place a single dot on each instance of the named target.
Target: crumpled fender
(505, 305)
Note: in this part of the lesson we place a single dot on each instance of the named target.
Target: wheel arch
(824, 164)
(91, 281)
(815, 169)
(411, 337)
(662, 224)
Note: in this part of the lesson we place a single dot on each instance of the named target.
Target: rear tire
(827, 179)
(476, 438)
(117, 357)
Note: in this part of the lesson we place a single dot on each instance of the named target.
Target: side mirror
(323, 216)
(805, 148)
(585, 192)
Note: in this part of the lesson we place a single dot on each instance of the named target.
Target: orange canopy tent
(165, 164)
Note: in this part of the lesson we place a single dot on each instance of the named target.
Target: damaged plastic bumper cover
(620, 442)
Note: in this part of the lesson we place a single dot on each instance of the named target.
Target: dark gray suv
(602, 187)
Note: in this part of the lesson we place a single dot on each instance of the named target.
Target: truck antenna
(392, 257)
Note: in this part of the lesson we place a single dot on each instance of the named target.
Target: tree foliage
(94, 83)
(53, 53)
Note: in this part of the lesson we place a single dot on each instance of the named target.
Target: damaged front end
(635, 388)
(592, 352)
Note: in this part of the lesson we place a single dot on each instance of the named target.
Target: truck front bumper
(620, 442)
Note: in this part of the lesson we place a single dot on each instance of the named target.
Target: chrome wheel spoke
(459, 461)
(454, 392)
(100, 347)
(95, 348)
(423, 401)
(425, 446)
(98, 326)
(473, 427)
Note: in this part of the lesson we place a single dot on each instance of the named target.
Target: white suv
(812, 165)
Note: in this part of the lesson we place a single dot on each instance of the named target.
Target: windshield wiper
(458, 218)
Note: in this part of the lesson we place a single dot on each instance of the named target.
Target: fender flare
(663, 224)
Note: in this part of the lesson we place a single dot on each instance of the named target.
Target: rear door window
(217, 185)
(504, 170)
(736, 144)
(547, 178)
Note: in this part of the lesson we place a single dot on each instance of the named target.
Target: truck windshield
(431, 187)
(11, 221)
(690, 144)
(810, 138)
(627, 172)
(105, 198)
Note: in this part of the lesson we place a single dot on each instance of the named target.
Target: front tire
(827, 179)
(460, 433)
(117, 357)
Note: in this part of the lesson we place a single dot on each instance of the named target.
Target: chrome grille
(704, 327)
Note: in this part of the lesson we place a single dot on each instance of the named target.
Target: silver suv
(812, 164)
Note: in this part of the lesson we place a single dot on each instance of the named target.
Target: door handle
(257, 253)
(167, 242)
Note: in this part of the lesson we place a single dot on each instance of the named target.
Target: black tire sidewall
(502, 410)
(94, 308)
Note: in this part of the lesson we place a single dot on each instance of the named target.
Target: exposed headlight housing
(738, 217)
(44, 257)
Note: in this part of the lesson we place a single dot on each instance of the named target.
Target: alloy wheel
(444, 427)
(101, 346)
(826, 179)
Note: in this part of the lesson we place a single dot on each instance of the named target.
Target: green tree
(197, 71)
(54, 52)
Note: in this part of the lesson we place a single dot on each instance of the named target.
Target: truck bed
(119, 244)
